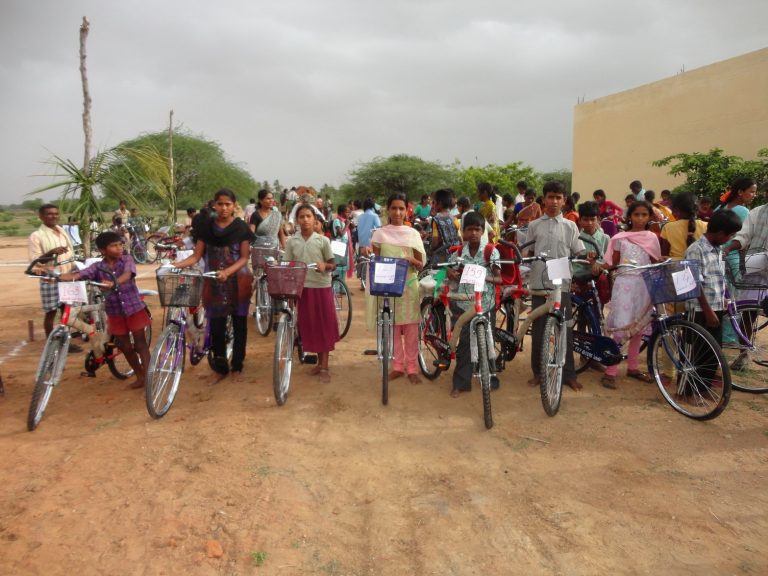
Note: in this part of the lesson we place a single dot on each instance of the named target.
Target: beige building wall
(723, 105)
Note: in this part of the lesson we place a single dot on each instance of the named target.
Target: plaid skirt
(49, 295)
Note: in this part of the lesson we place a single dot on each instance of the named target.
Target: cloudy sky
(302, 90)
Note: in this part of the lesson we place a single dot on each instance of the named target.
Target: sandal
(608, 382)
(638, 375)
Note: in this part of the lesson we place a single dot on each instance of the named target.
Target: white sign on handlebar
(559, 269)
(474, 274)
(73, 292)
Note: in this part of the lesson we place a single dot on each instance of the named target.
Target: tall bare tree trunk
(84, 29)
(172, 207)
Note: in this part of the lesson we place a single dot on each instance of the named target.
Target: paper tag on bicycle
(183, 254)
(474, 274)
(684, 281)
(339, 248)
(384, 273)
(73, 292)
(559, 269)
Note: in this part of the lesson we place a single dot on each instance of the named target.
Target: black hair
(589, 209)
(225, 192)
(521, 185)
(724, 221)
(305, 206)
(106, 238)
(650, 195)
(340, 208)
(424, 197)
(569, 202)
(706, 199)
(463, 201)
(739, 185)
(554, 187)
(669, 193)
(191, 211)
(576, 197)
(357, 204)
(629, 197)
(369, 204)
(508, 199)
(598, 192)
(639, 204)
(253, 200)
(397, 196)
(262, 194)
(443, 198)
(45, 207)
(684, 203)
(473, 219)
(635, 184)
(530, 192)
(486, 188)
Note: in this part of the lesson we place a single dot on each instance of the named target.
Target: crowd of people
(309, 229)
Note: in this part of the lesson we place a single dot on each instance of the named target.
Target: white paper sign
(684, 281)
(559, 269)
(384, 273)
(474, 274)
(73, 292)
(339, 248)
(183, 254)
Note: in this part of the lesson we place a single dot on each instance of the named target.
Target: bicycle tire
(343, 302)
(584, 321)
(139, 253)
(551, 367)
(485, 375)
(150, 247)
(48, 374)
(282, 361)
(749, 368)
(431, 326)
(229, 339)
(166, 365)
(199, 317)
(262, 313)
(117, 363)
(385, 335)
(690, 391)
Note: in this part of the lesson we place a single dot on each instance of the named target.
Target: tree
(402, 173)
(505, 178)
(711, 173)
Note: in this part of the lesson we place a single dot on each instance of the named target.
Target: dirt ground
(334, 483)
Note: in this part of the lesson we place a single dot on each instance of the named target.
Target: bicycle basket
(260, 254)
(660, 282)
(286, 279)
(179, 290)
(747, 271)
(387, 276)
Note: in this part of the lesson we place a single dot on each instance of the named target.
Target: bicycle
(137, 248)
(262, 250)
(343, 301)
(699, 388)
(162, 245)
(181, 293)
(286, 283)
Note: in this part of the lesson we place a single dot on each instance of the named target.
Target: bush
(11, 230)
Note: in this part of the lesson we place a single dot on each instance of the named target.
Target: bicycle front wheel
(283, 360)
(48, 373)
(699, 385)
(139, 253)
(431, 330)
(343, 301)
(263, 311)
(551, 367)
(385, 343)
(749, 368)
(485, 374)
(166, 365)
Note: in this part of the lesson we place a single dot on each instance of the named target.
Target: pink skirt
(318, 326)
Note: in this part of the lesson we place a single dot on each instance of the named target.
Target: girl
(488, 206)
(630, 313)
(610, 212)
(676, 236)
(399, 241)
(569, 210)
(318, 327)
(224, 244)
(266, 220)
(530, 210)
(340, 232)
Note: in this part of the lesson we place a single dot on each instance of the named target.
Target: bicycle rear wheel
(700, 385)
(229, 338)
(283, 359)
(431, 329)
(166, 365)
(263, 309)
(48, 374)
(552, 362)
(385, 342)
(749, 368)
(139, 253)
(583, 322)
(343, 301)
(150, 248)
(116, 361)
(485, 374)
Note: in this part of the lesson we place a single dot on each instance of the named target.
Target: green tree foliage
(564, 176)
(200, 167)
(399, 173)
(505, 178)
(709, 174)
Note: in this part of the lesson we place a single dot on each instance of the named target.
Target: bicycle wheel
(584, 321)
(485, 374)
(343, 301)
(116, 361)
(700, 386)
(283, 359)
(361, 269)
(229, 338)
(385, 342)
(551, 368)
(139, 253)
(166, 365)
(48, 373)
(749, 368)
(431, 329)
(263, 309)
(150, 248)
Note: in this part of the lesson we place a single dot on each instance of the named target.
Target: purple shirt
(126, 300)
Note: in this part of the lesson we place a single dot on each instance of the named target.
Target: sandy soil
(334, 483)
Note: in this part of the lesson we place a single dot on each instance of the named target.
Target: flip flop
(638, 375)
(608, 382)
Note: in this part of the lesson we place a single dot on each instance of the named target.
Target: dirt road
(334, 483)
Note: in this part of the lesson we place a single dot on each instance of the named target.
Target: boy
(473, 252)
(710, 306)
(445, 228)
(126, 314)
(705, 209)
(557, 237)
(595, 242)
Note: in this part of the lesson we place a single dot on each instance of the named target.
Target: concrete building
(617, 137)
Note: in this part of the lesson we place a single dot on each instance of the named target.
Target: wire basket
(747, 271)
(285, 279)
(179, 290)
(387, 276)
(260, 255)
(660, 282)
